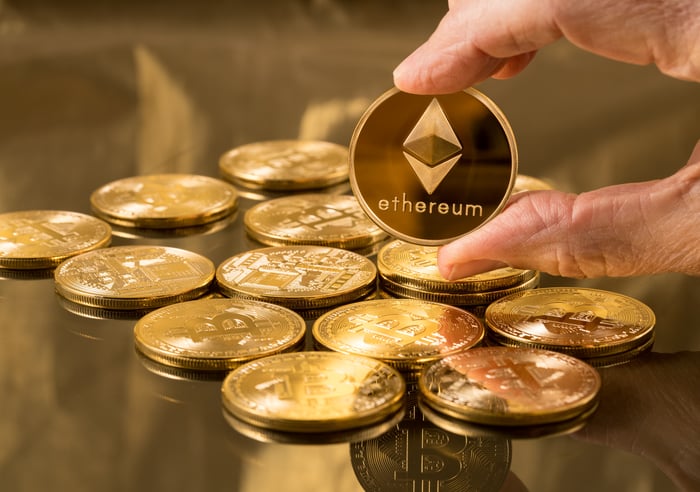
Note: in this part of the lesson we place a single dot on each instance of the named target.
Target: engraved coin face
(578, 321)
(41, 239)
(217, 334)
(286, 164)
(510, 386)
(320, 219)
(313, 391)
(298, 277)
(404, 333)
(417, 455)
(134, 277)
(164, 201)
(415, 266)
(429, 169)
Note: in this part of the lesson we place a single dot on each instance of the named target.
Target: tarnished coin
(312, 218)
(297, 277)
(577, 321)
(404, 333)
(286, 164)
(41, 239)
(313, 391)
(414, 266)
(524, 182)
(429, 169)
(418, 456)
(164, 201)
(510, 386)
(134, 277)
(217, 334)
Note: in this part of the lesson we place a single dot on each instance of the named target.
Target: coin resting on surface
(164, 201)
(312, 218)
(297, 277)
(404, 333)
(429, 169)
(313, 391)
(579, 321)
(41, 239)
(134, 277)
(510, 386)
(217, 334)
(286, 164)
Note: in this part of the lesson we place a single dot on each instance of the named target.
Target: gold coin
(577, 321)
(458, 298)
(415, 266)
(164, 201)
(404, 333)
(313, 391)
(217, 334)
(286, 164)
(41, 239)
(524, 182)
(510, 386)
(315, 218)
(134, 277)
(429, 169)
(297, 277)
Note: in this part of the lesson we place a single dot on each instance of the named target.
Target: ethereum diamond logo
(432, 148)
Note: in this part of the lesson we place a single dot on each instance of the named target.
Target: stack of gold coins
(217, 334)
(298, 277)
(506, 386)
(286, 165)
(315, 218)
(164, 201)
(601, 327)
(134, 277)
(41, 239)
(410, 271)
(303, 392)
(404, 333)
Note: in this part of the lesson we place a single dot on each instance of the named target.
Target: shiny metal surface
(96, 91)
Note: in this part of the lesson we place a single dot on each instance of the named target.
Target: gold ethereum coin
(577, 321)
(429, 169)
(41, 239)
(134, 277)
(405, 333)
(217, 334)
(313, 391)
(312, 218)
(297, 277)
(164, 201)
(415, 266)
(286, 164)
(510, 386)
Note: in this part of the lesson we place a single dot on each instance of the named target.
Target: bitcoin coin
(404, 333)
(134, 277)
(286, 164)
(510, 386)
(313, 218)
(429, 169)
(313, 392)
(164, 201)
(297, 277)
(41, 239)
(217, 334)
(415, 267)
(577, 321)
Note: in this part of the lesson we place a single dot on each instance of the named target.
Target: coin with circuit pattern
(164, 201)
(134, 277)
(217, 334)
(41, 239)
(313, 391)
(286, 164)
